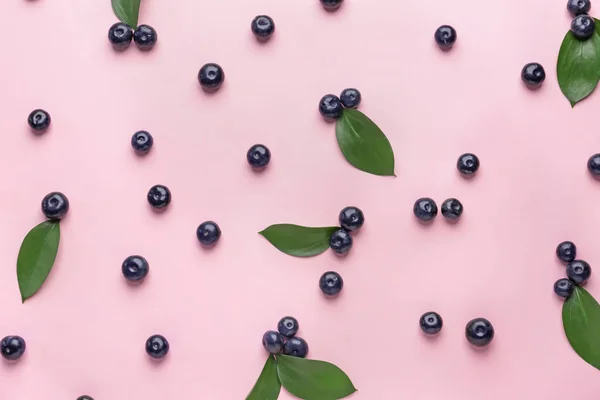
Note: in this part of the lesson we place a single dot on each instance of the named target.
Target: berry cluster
(284, 340)
(582, 25)
(578, 271)
(351, 220)
(121, 34)
(331, 106)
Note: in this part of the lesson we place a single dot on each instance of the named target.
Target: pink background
(86, 328)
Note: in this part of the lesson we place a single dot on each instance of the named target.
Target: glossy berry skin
(467, 164)
(12, 347)
(295, 347)
(135, 268)
(340, 241)
(208, 233)
(330, 107)
(425, 209)
(145, 37)
(39, 121)
(273, 342)
(142, 142)
(564, 288)
(533, 75)
(431, 323)
(262, 27)
(55, 206)
(211, 76)
(479, 332)
(351, 218)
(120, 36)
(157, 346)
(350, 98)
(583, 27)
(579, 272)
(258, 156)
(331, 283)
(566, 251)
(593, 165)
(159, 197)
(445, 36)
(288, 326)
(331, 5)
(84, 397)
(578, 7)
(452, 209)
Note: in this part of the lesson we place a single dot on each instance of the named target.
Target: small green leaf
(299, 241)
(578, 66)
(581, 321)
(36, 257)
(363, 144)
(267, 387)
(312, 379)
(127, 11)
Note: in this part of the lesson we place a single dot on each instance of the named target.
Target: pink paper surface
(86, 328)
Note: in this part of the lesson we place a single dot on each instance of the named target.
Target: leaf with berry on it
(581, 322)
(127, 11)
(267, 387)
(299, 241)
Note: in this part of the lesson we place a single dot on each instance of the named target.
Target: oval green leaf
(127, 11)
(299, 241)
(363, 144)
(312, 379)
(36, 257)
(267, 386)
(578, 66)
(581, 321)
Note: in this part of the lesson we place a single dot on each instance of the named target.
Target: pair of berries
(479, 331)
(426, 210)
(284, 340)
(351, 220)
(332, 106)
(121, 34)
(582, 26)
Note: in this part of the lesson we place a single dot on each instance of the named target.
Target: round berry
(84, 397)
(533, 75)
(142, 142)
(12, 347)
(425, 209)
(157, 346)
(296, 347)
(566, 251)
(159, 197)
(579, 271)
(350, 98)
(273, 342)
(55, 206)
(593, 165)
(120, 35)
(258, 156)
(467, 164)
(351, 218)
(39, 121)
(135, 268)
(583, 27)
(479, 332)
(431, 323)
(331, 5)
(208, 233)
(263, 27)
(145, 37)
(288, 326)
(578, 7)
(330, 107)
(211, 77)
(445, 37)
(331, 283)
(340, 241)
(564, 287)
(452, 209)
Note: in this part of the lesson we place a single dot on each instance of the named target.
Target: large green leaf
(578, 66)
(267, 387)
(127, 11)
(363, 144)
(581, 320)
(299, 241)
(313, 380)
(36, 257)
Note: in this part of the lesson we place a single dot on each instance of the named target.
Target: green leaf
(581, 320)
(363, 144)
(127, 11)
(299, 241)
(36, 257)
(578, 66)
(312, 379)
(267, 386)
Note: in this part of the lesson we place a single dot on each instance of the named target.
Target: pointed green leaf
(363, 144)
(312, 379)
(267, 386)
(36, 257)
(581, 321)
(578, 66)
(299, 241)
(127, 11)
